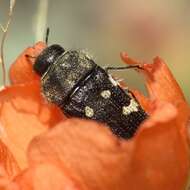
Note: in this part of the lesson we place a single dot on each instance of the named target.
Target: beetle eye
(47, 58)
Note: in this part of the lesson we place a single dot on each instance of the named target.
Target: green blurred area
(144, 29)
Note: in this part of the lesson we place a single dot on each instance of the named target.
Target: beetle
(81, 88)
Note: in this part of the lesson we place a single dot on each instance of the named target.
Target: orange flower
(78, 154)
(23, 111)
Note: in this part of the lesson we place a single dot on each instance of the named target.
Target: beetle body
(83, 89)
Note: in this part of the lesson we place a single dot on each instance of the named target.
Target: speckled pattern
(76, 84)
(109, 110)
(64, 75)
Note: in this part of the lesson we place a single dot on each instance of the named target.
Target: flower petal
(156, 158)
(21, 70)
(23, 115)
(160, 159)
(161, 86)
(89, 152)
(160, 82)
(8, 184)
(8, 165)
(46, 176)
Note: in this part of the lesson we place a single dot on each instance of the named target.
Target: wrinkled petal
(156, 158)
(161, 85)
(21, 70)
(7, 184)
(160, 159)
(23, 115)
(89, 152)
(8, 164)
(46, 176)
(160, 82)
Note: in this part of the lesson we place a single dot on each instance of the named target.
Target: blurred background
(104, 28)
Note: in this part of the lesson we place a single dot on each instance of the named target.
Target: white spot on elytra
(114, 82)
(105, 94)
(89, 112)
(132, 107)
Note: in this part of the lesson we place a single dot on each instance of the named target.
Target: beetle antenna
(47, 35)
(122, 68)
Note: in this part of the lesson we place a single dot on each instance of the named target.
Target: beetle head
(48, 56)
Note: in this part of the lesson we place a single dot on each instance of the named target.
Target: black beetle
(81, 88)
